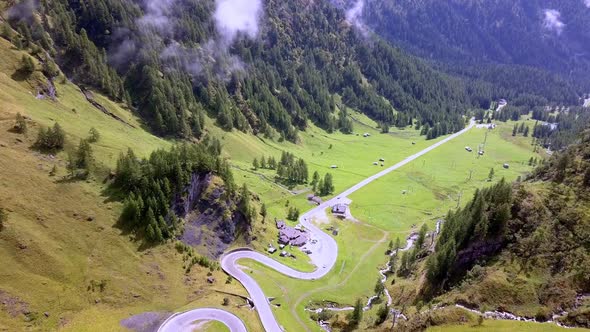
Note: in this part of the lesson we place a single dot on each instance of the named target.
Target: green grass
(214, 326)
(356, 264)
(503, 325)
(63, 252)
(440, 180)
(53, 252)
(433, 183)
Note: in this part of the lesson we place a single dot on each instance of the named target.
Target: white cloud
(234, 17)
(156, 15)
(587, 3)
(553, 21)
(354, 16)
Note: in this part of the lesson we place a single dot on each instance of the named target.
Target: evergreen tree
(27, 65)
(379, 288)
(421, 236)
(328, 186)
(255, 164)
(357, 313)
(515, 129)
(491, 174)
(93, 135)
(320, 188)
(382, 314)
(262, 162)
(71, 165)
(84, 155)
(398, 244)
(263, 211)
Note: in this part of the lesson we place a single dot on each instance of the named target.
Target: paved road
(324, 254)
(186, 321)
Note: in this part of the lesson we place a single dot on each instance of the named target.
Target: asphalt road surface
(324, 254)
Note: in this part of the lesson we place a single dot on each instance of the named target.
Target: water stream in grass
(383, 272)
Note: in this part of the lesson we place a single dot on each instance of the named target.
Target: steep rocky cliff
(213, 220)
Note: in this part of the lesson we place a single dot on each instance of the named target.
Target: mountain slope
(550, 35)
(521, 248)
(67, 266)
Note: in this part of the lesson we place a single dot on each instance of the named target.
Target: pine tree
(263, 211)
(491, 174)
(421, 236)
(357, 313)
(328, 186)
(320, 188)
(262, 162)
(315, 178)
(382, 314)
(71, 165)
(255, 164)
(93, 135)
(379, 288)
(84, 155)
(515, 129)
(27, 65)
(526, 131)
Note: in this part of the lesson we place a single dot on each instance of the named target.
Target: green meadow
(391, 207)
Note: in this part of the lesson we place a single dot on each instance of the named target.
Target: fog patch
(552, 21)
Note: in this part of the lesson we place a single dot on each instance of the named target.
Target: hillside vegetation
(70, 268)
(520, 248)
(482, 36)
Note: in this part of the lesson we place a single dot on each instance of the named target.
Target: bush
(3, 218)
(543, 314)
(325, 315)
(93, 135)
(225, 301)
(28, 66)
(20, 126)
(382, 314)
(51, 139)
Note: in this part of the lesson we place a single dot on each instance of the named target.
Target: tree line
(151, 184)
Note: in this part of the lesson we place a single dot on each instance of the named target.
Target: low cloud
(22, 11)
(234, 19)
(354, 16)
(156, 16)
(204, 61)
(552, 21)
(237, 17)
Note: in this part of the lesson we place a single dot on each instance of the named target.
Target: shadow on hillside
(20, 75)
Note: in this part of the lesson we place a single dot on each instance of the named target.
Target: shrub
(3, 218)
(20, 126)
(51, 139)
(28, 66)
(93, 135)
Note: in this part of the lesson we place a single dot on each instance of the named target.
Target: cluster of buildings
(294, 236)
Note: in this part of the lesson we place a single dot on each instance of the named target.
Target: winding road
(324, 254)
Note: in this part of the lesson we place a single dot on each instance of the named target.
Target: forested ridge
(173, 64)
(527, 36)
(538, 227)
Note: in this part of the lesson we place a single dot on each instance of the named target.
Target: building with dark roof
(339, 209)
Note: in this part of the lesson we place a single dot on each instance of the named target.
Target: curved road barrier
(323, 256)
